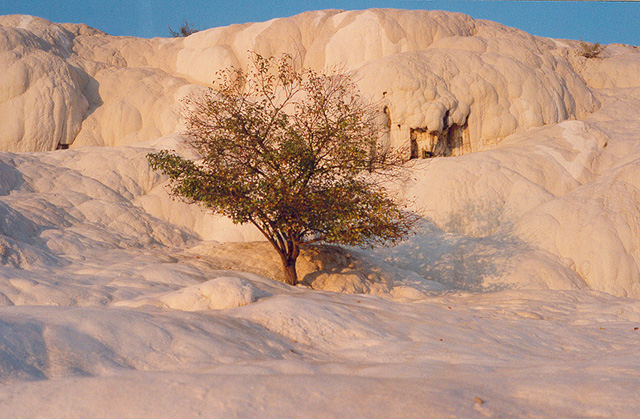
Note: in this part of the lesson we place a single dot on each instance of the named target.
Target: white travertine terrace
(517, 296)
(439, 76)
(541, 134)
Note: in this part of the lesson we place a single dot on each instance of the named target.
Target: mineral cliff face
(447, 84)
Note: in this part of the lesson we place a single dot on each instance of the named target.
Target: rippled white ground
(78, 343)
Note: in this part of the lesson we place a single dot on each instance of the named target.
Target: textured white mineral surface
(516, 297)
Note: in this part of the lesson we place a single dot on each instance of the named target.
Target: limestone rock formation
(446, 84)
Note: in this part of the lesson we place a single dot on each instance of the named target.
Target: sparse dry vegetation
(589, 50)
(185, 30)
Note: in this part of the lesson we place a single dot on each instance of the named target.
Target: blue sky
(594, 21)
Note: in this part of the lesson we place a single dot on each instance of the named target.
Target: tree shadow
(456, 261)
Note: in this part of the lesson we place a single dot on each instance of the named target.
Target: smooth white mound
(215, 294)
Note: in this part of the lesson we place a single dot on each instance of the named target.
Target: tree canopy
(293, 152)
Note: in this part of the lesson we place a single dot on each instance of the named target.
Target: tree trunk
(289, 269)
(289, 252)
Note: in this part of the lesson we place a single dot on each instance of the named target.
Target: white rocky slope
(516, 297)
(438, 75)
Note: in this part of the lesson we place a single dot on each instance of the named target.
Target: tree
(293, 152)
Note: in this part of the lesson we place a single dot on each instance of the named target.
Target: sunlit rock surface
(447, 83)
(515, 297)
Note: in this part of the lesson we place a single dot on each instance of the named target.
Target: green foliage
(588, 50)
(295, 153)
(185, 30)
